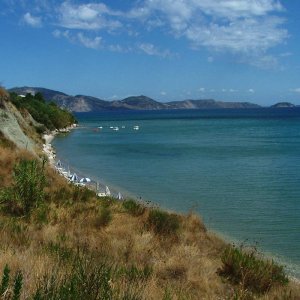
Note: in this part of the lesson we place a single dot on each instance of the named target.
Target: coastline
(48, 149)
(51, 153)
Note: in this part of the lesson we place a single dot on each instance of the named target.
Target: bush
(48, 114)
(27, 191)
(132, 207)
(162, 222)
(7, 290)
(82, 194)
(104, 217)
(254, 274)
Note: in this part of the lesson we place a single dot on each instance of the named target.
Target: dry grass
(154, 266)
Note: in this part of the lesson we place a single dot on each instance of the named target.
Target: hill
(82, 103)
(283, 105)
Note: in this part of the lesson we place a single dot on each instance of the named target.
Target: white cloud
(201, 90)
(238, 26)
(224, 90)
(262, 61)
(296, 90)
(232, 91)
(87, 17)
(251, 91)
(32, 20)
(246, 29)
(79, 38)
(93, 43)
(163, 93)
(152, 50)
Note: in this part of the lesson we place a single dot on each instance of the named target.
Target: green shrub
(5, 280)
(254, 274)
(86, 280)
(6, 290)
(27, 191)
(48, 114)
(162, 222)
(18, 283)
(104, 217)
(40, 129)
(133, 207)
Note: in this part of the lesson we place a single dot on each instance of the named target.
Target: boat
(136, 127)
(116, 128)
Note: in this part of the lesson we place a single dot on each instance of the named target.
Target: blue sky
(230, 50)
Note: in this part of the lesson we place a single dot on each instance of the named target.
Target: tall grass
(11, 289)
(247, 270)
(134, 208)
(162, 222)
(27, 191)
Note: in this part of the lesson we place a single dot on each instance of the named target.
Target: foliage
(6, 290)
(254, 274)
(48, 114)
(133, 207)
(5, 280)
(27, 191)
(18, 283)
(104, 217)
(162, 222)
(82, 194)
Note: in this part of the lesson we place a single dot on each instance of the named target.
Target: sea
(238, 169)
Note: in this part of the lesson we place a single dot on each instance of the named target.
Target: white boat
(116, 128)
(136, 127)
(123, 126)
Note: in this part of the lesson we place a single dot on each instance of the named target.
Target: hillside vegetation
(46, 113)
(60, 241)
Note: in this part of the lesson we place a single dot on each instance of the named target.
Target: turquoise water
(240, 170)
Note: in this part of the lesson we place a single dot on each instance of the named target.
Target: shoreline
(48, 149)
(100, 188)
(51, 154)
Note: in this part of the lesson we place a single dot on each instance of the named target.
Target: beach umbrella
(74, 177)
(85, 179)
(107, 191)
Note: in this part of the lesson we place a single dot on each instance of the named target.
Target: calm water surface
(239, 169)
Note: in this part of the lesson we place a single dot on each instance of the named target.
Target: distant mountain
(283, 105)
(81, 103)
(209, 104)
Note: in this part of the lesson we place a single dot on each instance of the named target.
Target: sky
(228, 50)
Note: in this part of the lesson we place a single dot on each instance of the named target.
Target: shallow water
(239, 169)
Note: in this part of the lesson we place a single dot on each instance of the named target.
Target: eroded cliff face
(15, 128)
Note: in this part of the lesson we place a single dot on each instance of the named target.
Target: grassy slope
(74, 241)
